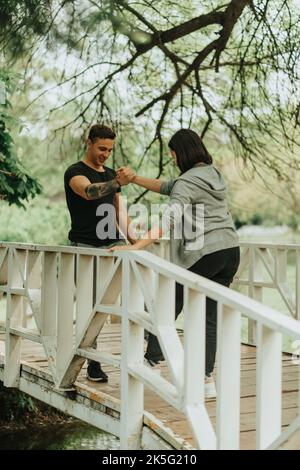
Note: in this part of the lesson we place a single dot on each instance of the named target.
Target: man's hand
(125, 175)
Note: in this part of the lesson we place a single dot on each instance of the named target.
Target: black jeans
(219, 267)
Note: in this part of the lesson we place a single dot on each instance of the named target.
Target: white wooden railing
(266, 266)
(44, 277)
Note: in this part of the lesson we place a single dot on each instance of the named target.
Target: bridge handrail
(145, 279)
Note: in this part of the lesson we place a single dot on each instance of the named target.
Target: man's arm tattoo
(100, 190)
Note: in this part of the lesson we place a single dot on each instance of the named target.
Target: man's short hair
(99, 131)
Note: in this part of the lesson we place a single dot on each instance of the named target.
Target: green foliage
(20, 20)
(43, 222)
(13, 404)
(15, 184)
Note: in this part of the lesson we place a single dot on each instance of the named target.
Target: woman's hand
(123, 248)
(125, 175)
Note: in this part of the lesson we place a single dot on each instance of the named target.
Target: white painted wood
(245, 282)
(3, 266)
(32, 307)
(281, 265)
(274, 260)
(233, 299)
(31, 335)
(268, 316)
(244, 262)
(199, 419)
(298, 284)
(34, 270)
(82, 411)
(14, 290)
(19, 271)
(143, 319)
(111, 309)
(166, 331)
(103, 417)
(228, 378)
(145, 280)
(194, 346)
(65, 311)
(94, 355)
(153, 423)
(104, 253)
(151, 441)
(108, 269)
(268, 389)
(283, 442)
(94, 323)
(157, 384)
(135, 290)
(281, 279)
(34, 301)
(84, 291)
(49, 295)
(112, 275)
(255, 292)
(268, 259)
(132, 390)
(14, 319)
(13, 342)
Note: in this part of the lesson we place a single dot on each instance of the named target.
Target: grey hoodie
(204, 188)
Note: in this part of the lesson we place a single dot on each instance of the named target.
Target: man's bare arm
(123, 219)
(100, 190)
(148, 183)
(90, 191)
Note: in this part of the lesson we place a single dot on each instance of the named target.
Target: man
(95, 205)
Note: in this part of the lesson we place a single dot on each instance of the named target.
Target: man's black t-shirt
(86, 224)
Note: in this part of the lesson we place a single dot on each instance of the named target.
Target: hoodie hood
(208, 178)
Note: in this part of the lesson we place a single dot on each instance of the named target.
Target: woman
(216, 255)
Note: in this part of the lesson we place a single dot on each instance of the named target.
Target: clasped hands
(125, 175)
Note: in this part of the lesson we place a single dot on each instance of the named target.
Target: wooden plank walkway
(110, 341)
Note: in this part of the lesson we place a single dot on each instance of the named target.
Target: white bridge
(258, 386)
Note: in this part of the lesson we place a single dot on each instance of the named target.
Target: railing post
(84, 291)
(3, 266)
(255, 292)
(14, 318)
(281, 265)
(268, 386)
(132, 390)
(167, 334)
(33, 284)
(48, 315)
(228, 378)
(194, 369)
(65, 311)
(298, 285)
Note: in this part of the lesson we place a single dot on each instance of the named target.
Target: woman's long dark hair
(189, 149)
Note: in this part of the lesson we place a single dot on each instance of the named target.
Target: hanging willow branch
(230, 71)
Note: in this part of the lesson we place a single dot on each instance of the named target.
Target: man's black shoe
(95, 373)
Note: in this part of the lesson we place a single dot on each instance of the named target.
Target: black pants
(219, 267)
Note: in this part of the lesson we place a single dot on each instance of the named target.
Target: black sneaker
(95, 373)
(153, 365)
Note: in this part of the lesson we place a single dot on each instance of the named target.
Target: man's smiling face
(100, 150)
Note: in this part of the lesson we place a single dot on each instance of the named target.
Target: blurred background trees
(229, 70)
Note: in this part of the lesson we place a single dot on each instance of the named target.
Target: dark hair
(99, 131)
(189, 149)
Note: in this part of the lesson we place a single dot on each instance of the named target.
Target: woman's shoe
(154, 366)
(210, 388)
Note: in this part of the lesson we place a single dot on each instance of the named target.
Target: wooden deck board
(109, 341)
